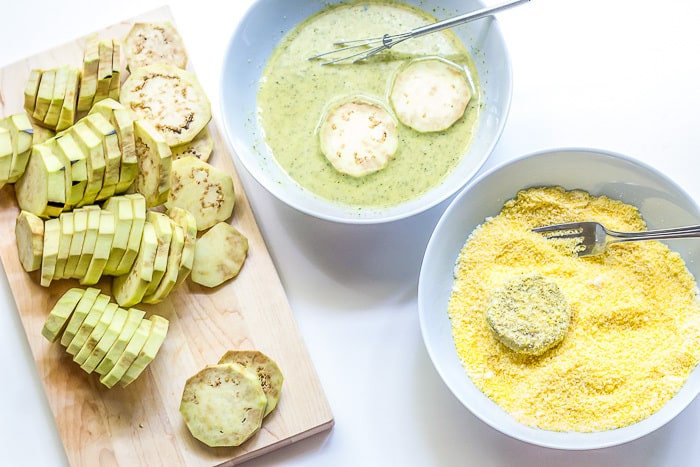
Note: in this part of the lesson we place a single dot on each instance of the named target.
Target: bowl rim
(351, 214)
(484, 407)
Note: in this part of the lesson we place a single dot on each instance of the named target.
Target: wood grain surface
(141, 424)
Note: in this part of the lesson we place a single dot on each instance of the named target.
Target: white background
(620, 75)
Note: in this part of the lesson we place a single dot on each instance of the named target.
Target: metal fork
(387, 40)
(595, 237)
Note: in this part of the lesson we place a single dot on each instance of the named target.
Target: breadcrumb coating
(634, 335)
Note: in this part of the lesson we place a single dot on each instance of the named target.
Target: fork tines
(568, 230)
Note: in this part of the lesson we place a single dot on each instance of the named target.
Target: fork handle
(692, 231)
(461, 19)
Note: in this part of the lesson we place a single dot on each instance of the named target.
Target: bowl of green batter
(627, 363)
(274, 100)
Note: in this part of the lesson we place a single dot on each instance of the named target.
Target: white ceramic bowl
(662, 204)
(260, 31)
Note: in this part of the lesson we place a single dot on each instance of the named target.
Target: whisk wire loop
(369, 49)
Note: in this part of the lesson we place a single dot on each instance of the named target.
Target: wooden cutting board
(141, 424)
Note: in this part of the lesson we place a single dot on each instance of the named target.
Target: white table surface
(621, 75)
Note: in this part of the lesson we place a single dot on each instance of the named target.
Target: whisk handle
(465, 18)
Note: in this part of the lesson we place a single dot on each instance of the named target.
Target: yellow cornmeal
(634, 335)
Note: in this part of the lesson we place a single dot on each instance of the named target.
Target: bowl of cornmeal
(369, 141)
(622, 346)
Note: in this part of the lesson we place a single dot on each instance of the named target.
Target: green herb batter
(294, 94)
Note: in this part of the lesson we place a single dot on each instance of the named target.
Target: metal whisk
(388, 40)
